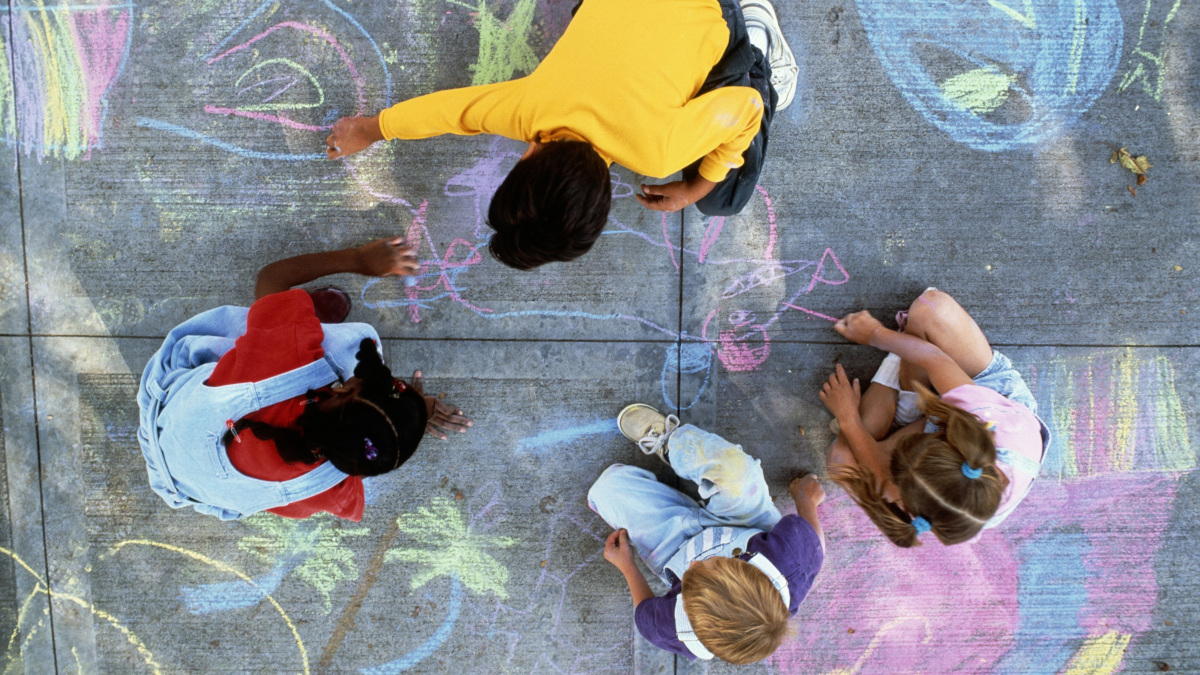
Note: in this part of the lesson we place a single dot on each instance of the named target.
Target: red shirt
(282, 334)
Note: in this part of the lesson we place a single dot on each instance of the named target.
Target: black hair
(361, 437)
(552, 206)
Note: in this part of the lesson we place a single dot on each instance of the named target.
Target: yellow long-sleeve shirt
(624, 78)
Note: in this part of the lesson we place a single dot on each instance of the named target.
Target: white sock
(889, 372)
(759, 37)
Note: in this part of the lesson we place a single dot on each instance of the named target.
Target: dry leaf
(1139, 165)
(1131, 190)
(1141, 179)
(1177, 269)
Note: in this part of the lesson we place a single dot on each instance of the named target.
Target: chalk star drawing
(1051, 58)
(453, 547)
(56, 75)
(313, 549)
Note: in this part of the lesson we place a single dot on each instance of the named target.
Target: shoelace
(653, 441)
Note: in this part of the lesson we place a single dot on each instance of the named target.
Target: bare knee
(839, 453)
(930, 309)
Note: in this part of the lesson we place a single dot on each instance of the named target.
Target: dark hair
(928, 469)
(552, 206)
(360, 438)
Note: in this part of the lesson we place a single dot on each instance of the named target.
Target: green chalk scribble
(1026, 19)
(313, 548)
(503, 45)
(1150, 69)
(8, 121)
(981, 90)
(451, 549)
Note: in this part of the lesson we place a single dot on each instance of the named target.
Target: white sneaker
(648, 428)
(784, 69)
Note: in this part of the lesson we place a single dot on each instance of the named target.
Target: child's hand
(858, 327)
(840, 395)
(808, 489)
(618, 551)
(351, 135)
(387, 258)
(673, 196)
(440, 417)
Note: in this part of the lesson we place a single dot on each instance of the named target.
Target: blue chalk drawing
(1051, 591)
(994, 76)
(685, 359)
(227, 147)
(551, 440)
(431, 645)
(230, 595)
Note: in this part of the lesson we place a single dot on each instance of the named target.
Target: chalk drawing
(280, 89)
(556, 440)
(993, 77)
(1113, 412)
(55, 84)
(1150, 69)
(503, 45)
(312, 548)
(455, 548)
(740, 341)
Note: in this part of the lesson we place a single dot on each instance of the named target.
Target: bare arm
(842, 397)
(619, 552)
(943, 372)
(808, 494)
(673, 196)
(381, 258)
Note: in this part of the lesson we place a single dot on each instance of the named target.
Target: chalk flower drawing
(453, 549)
(313, 549)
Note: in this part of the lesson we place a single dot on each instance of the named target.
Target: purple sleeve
(795, 549)
(655, 620)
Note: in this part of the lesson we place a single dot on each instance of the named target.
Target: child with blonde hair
(737, 568)
(953, 465)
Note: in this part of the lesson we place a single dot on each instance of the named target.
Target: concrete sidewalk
(146, 177)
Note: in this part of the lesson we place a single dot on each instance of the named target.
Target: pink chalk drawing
(54, 87)
(1065, 584)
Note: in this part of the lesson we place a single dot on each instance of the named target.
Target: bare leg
(937, 318)
(877, 409)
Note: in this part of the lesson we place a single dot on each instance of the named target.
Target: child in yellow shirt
(616, 87)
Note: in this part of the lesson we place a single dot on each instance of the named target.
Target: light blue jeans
(660, 519)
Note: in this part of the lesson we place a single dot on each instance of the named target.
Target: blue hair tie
(971, 472)
(921, 525)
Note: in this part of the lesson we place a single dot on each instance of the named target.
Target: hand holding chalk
(387, 258)
(858, 327)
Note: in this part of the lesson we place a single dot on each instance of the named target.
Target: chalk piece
(410, 281)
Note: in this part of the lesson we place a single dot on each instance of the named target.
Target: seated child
(737, 569)
(955, 464)
(657, 87)
(267, 408)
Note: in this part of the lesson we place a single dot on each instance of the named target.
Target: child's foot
(648, 428)
(784, 70)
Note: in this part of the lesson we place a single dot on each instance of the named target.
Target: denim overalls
(183, 419)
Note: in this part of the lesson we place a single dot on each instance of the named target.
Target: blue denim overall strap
(183, 419)
(683, 625)
(713, 541)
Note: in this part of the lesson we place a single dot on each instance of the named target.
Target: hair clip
(970, 471)
(229, 425)
(372, 451)
(921, 525)
(398, 387)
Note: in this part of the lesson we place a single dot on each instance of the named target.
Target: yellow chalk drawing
(452, 549)
(879, 637)
(1151, 67)
(8, 114)
(41, 588)
(1099, 655)
(503, 45)
(1115, 413)
(316, 542)
(216, 564)
(1026, 19)
(981, 90)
